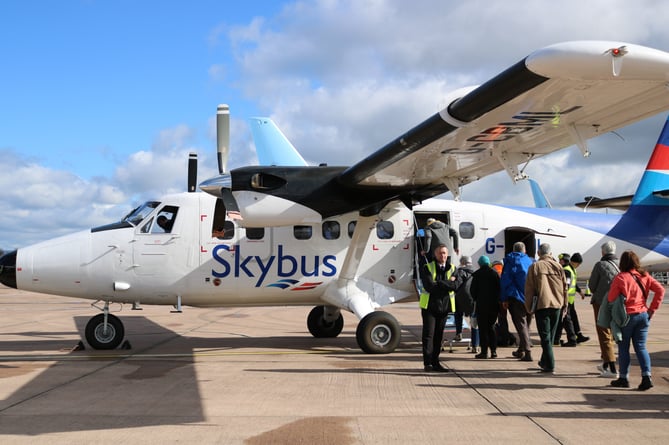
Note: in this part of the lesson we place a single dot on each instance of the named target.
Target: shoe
(457, 337)
(557, 343)
(475, 350)
(608, 373)
(527, 357)
(438, 368)
(427, 368)
(518, 353)
(493, 354)
(547, 371)
(645, 384)
(580, 338)
(481, 355)
(620, 383)
(569, 344)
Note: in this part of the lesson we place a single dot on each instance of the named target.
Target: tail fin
(646, 222)
(654, 185)
(540, 200)
(272, 146)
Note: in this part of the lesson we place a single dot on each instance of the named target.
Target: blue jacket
(513, 276)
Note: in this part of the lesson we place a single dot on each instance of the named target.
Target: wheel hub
(381, 335)
(105, 335)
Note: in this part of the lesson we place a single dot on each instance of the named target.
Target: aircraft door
(216, 230)
(514, 234)
(155, 247)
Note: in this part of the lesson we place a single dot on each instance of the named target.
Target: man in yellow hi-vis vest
(436, 301)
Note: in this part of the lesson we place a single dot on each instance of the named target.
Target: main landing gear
(104, 331)
(377, 333)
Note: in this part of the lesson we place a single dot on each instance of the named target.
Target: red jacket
(635, 301)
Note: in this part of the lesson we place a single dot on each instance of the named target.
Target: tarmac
(256, 376)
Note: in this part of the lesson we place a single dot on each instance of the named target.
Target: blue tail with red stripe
(646, 222)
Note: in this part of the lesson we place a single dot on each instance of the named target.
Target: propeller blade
(192, 172)
(223, 137)
(231, 208)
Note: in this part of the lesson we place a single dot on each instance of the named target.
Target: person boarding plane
(343, 238)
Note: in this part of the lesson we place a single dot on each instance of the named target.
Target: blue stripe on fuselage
(645, 226)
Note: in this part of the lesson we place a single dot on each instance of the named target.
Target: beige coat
(546, 279)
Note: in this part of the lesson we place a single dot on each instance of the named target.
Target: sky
(101, 101)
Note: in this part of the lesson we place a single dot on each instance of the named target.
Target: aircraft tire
(98, 339)
(378, 333)
(320, 328)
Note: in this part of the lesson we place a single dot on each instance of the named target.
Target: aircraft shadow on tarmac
(92, 389)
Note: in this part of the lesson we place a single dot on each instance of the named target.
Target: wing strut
(510, 162)
(579, 140)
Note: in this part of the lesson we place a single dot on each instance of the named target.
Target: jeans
(635, 331)
(547, 322)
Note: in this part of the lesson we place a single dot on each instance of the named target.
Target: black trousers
(488, 338)
(433, 335)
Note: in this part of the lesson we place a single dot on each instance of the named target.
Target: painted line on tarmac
(27, 358)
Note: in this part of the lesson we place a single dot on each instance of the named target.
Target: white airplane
(344, 238)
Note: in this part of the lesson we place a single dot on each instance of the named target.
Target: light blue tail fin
(272, 146)
(540, 200)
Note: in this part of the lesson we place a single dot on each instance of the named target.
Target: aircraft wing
(556, 97)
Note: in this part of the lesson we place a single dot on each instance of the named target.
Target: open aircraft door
(527, 236)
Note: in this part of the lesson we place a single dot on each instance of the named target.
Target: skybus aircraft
(343, 238)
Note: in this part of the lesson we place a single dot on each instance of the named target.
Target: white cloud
(343, 78)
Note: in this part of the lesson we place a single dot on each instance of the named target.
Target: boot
(621, 383)
(646, 383)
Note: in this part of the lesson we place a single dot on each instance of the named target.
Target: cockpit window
(165, 220)
(137, 216)
(132, 219)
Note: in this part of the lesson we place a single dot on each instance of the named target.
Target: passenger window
(467, 230)
(255, 233)
(302, 232)
(225, 231)
(351, 228)
(385, 229)
(330, 229)
(165, 220)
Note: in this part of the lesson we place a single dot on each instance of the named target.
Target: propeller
(223, 137)
(221, 185)
(192, 172)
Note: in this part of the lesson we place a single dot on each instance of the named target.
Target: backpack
(463, 297)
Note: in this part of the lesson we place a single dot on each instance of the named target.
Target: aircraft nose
(8, 269)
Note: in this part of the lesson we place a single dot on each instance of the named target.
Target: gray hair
(465, 260)
(608, 247)
(519, 246)
(545, 249)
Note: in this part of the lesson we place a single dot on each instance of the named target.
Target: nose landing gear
(104, 331)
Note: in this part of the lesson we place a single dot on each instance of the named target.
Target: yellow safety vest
(425, 296)
(571, 291)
